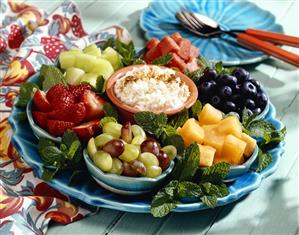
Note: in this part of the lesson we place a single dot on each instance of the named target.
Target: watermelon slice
(152, 54)
(177, 62)
(194, 52)
(192, 65)
(184, 52)
(152, 43)
(167, 45)
(177, 37)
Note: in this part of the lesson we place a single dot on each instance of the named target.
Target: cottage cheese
(152, 89)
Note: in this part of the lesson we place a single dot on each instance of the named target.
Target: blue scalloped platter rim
(91, 193)
(158, 20)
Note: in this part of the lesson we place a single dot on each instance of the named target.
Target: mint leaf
(163, 60)
(169, 130)
(218, 67)
(48, 174)
(264, 159)
(215, 173)
(110, 110)
(190, 162)
(210, 201)
(218, 190)
(189, 189)
(26, 93)
(196, 109)
(139, 61)
(51, 154)
(179, 119)
(69, 137)
(107, 119)
(73, 149)
(152, 123)
(165, 200)
(50, 75)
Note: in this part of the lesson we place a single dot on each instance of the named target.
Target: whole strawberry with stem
(15, 37)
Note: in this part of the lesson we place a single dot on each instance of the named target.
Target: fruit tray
(92, 194)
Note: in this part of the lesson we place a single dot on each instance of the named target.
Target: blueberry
(257, 110)
(249, 103)
(215, 101)
(226, 79)
(256, 83)
(210, 74)
(241, 74)
(229, 106)
(225, 91)
(237, 99)
(248, 89)
(261, 100)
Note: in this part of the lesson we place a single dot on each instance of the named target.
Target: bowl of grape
(124, 160)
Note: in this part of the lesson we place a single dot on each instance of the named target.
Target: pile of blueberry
(232, 92)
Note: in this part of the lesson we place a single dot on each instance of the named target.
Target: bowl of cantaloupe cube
(220, 139)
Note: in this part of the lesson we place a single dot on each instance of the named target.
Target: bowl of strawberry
(63, 107)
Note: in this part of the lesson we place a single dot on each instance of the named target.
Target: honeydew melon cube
(73, 75)
(90, 78)
(103, 67)
(91, 47)
(67, 60)
(113, 57)
(75, 50)
(93, 50)
(85, 62)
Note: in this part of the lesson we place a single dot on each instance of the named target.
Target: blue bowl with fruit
(125, 161)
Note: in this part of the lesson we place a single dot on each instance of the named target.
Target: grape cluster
(126, 150)
(232, 92)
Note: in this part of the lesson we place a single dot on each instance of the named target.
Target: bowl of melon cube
(220, 139)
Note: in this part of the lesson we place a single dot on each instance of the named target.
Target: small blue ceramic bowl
(37, 130)
(122, 184)
(236, 171)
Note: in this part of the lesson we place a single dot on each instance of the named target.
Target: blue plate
(158, 20)
(91, 193)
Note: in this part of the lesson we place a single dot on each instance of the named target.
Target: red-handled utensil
(252, 38)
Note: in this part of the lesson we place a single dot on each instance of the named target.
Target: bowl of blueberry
(232, 92)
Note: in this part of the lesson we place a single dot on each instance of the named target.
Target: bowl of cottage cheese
(152, 88)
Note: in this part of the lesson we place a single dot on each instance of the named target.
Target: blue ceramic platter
(158, 20)
(91, 193)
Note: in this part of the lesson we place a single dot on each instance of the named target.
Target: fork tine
(191, 21)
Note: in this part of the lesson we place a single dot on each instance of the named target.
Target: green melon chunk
(103, 67)
(113, 57)
(90, 78)
(85, 62)
(73, 75)
(66, 60)
(97, 53)
(91, 47)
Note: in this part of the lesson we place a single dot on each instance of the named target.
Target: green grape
(103, 160)
(117, 166)
(171, 151)
(148, 159)
(131, 153)
(113, 129)
(102, 139)
(91, 148)
(138, 140)
(153, 171)
(137, 130)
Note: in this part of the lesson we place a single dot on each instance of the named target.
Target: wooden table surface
(272, 208)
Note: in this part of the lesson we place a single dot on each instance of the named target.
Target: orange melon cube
(250, 144)
(230, 126)
(191, 132)
(209, 115)
(213, 138)
(232, 150)
(207, 154)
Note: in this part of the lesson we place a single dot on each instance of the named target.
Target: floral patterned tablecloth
(29, 37)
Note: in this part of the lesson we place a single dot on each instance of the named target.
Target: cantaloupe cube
(250, 144)
(191, 132)
(232, 150)
(213, 138)
(207, 154)
(209, 115)
(230, 126)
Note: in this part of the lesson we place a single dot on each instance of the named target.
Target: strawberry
(2, 45)
(40, 101)
(57, 128)
(73, 113)
(40, 118)
(78, 90)
(76, 27)
(94, 105)
(60, 97)
(87, 130)
(15, 37)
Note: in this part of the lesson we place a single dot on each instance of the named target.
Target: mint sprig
(60, 156)
(50, 76)
(162, 60)
(26, 93)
